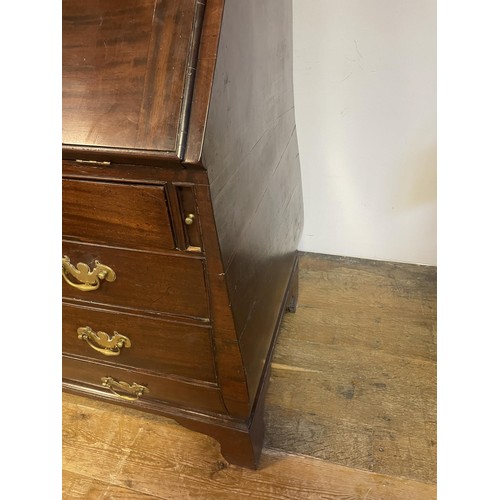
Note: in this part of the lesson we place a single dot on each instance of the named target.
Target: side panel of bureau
(255, 171)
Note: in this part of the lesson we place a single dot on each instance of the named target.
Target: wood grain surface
(158, 346)
(184, 393)
(125, 88)
(254, 172)
(132, 94)
(144, 281)
(350, 412)
(122, 215)
(362, 349)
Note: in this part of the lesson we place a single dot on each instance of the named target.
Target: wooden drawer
(121, 215)
(148, 282)
(197, 396)
(159, 346)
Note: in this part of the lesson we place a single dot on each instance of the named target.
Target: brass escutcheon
(132, 391)
(89, 280)
(102, 342)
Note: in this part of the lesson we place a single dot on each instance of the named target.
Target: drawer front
(122, 215)
(148, 282)
(159, 346)
(193, 396)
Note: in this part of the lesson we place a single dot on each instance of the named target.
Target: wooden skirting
(350, 410)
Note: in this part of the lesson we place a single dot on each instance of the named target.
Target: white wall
(365, 95)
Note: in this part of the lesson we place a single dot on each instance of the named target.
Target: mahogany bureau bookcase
(182, 207)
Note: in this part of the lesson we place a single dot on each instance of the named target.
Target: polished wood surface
(158, 346)
(182, 174)
(230, 369)
(202, 90)
(254, 172)
(150, 174)
(350, 414)
(240, 436)
(198, 396)
(147, 282)
(133, 216)
(125, 68)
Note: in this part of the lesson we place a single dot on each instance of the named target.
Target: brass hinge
(94, 162)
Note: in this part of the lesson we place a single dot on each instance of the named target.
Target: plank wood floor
(350, 412)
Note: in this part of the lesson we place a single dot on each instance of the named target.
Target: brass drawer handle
(89, 280)
(102, 342)
(117, 388)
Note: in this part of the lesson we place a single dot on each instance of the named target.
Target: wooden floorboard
(350, 412)
(77, 486)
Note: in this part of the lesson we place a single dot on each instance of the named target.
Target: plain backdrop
(365, 97)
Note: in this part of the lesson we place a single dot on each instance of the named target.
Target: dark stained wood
(204, 397)
(269, 286)
(156, 76)
(177, 216)
(241, 446)
(207, 58)
(130, 173)
(183, 205)
(159, 346)
(125, 70)
(230, 369)
(187, 202)
(133, 216)
(254, 172)
(191, 63)
(144, 281)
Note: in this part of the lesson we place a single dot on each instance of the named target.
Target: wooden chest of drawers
(182, 207)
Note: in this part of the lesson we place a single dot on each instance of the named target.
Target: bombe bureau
(182, 207)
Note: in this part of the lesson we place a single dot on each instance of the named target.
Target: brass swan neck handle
(109, 345)
(124, 390)
(88, 279)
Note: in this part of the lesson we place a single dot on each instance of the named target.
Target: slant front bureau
(182, 207)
